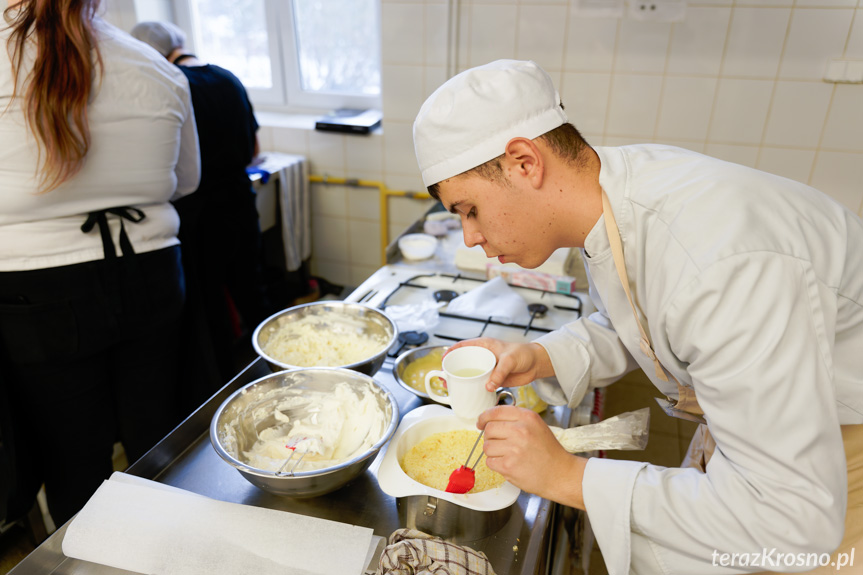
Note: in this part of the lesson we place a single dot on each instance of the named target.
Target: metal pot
(448, 520)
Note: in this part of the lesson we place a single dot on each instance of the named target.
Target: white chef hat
(165, 37)
(470, 118)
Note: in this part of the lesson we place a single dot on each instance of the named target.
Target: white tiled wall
(737, 79)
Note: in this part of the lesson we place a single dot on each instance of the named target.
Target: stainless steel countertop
(185, 459)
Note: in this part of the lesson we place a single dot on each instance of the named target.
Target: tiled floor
(668, 440)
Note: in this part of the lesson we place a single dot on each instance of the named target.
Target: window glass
(291, 54)
(233, 34)
(338, 46)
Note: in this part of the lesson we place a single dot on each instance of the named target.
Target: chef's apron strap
(700, 450)
(100, 217)
(686, 402)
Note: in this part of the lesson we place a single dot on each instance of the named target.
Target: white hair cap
(471, 117)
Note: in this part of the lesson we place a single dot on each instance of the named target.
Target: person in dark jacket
(220, 230)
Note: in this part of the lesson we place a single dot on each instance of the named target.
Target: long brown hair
(58, 88)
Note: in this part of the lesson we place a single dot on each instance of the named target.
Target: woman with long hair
(98, 135)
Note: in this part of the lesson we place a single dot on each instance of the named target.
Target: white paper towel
(147, 527)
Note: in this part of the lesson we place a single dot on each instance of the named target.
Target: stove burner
(410, 338)
(536, 310)
(445, 295)
(413, 337)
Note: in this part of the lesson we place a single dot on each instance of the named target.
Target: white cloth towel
(494, 299)
(294, 205)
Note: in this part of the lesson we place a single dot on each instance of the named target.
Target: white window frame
(287, 93)
(296, 96)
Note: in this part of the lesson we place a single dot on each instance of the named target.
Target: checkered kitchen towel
(412, 552)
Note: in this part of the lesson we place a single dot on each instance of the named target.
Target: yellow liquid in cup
(468, 372)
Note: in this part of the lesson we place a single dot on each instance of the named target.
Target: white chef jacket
(143, 152)
(751, 288)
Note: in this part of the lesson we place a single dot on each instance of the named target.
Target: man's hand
(519, 445)
(517, 363)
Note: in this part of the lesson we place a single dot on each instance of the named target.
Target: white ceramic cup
(466, 370)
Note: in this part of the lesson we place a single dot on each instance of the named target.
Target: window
(319, 54)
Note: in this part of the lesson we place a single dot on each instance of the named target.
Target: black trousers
(88, 356)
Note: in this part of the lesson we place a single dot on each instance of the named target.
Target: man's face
(505, 219)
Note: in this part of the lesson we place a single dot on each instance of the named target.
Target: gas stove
(399, 285)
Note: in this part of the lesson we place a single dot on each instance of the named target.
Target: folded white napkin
(146, 527)
(494, 299)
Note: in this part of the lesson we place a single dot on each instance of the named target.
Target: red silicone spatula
(462, 479)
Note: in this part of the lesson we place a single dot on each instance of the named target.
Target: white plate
(415, 426)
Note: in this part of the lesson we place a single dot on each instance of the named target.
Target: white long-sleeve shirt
(144, 151)
(751, 288)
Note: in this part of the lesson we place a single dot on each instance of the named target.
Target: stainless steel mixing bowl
(407, 358)
(232, 431)
(355, 317)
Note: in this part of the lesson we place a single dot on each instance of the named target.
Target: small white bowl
(417, 246)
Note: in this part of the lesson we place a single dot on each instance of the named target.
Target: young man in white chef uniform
(743, 304)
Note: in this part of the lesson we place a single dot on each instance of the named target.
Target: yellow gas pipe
(383, 194)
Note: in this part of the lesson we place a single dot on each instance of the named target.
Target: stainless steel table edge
(521, 547)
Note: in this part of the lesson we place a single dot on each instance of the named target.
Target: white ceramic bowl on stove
(417, 246)
(415, 426)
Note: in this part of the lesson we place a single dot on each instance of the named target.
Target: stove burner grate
(537, 310)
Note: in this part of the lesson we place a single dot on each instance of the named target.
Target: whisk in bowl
(299, 444)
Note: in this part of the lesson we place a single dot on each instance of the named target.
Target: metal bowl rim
(402, 357)
(371, 452)
(287, 366)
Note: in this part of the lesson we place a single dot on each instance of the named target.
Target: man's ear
(523, 159)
